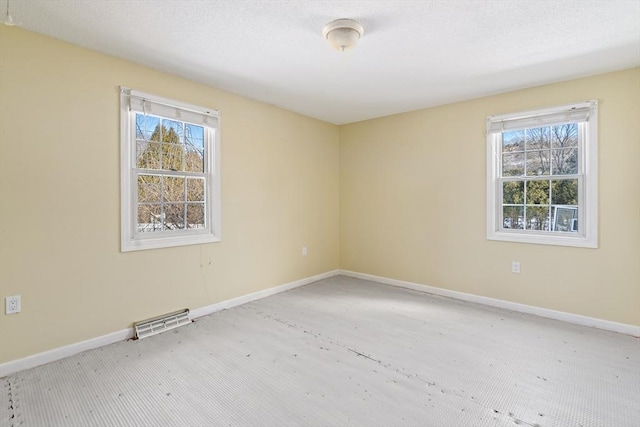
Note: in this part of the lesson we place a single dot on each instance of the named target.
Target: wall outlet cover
(13, 304)
(515, 267)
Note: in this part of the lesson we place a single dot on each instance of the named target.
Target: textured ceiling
(414, 54)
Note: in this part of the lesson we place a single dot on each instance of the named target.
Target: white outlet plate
(12, 304)
(515, 267)
(304, 251)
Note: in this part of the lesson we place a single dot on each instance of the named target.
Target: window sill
(544, 239)
(167, 242)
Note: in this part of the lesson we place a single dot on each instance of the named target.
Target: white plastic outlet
(515, 267)
(304, 251)
(12, 304)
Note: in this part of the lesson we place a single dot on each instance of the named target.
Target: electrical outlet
(12, 304)
(515, 267)
(304, 251)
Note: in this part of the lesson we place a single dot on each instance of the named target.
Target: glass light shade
(343, 38)
(343, 34)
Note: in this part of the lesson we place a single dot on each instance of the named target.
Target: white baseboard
(577, 319)
(49, 356)
(223, 305)
(28, 362)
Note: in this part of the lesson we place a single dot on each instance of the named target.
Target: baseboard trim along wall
(28, 362)
(49, 356)
(577, 319)
(223, 305)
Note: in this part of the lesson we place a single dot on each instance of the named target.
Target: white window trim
(132, 241)
(588, 187)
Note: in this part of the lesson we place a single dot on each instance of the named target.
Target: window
(170, 179)
(542, 176)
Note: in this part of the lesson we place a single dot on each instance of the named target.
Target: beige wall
(401, 197)
(412, 204)
(60, 203)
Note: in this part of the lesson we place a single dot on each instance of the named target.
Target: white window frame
(586, 115)
(131, 239)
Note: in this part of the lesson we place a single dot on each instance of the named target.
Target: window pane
(537, 138)
(172, 157)
(149, 188)
(537, 163)
(565, 219)
(538, 218)
(195, 190)
(194, 159)
(564, 161)
(513, 164)
(150, 218)
(564, 192)
(194, 136)
(145, 125)
(513, 193)
(513, 217)
(174, 216)
(564, 135)
(153, 128)
(172, 131)
(195, 216)
(173, 190)
(537, 193)
(148, 155)
(513, 141)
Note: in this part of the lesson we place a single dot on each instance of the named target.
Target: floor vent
(155, 325)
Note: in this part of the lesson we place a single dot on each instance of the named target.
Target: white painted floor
(343, 352)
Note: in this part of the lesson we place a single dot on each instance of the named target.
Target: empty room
(320, 213)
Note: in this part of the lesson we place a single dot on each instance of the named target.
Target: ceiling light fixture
(8, 19)
(343, 34)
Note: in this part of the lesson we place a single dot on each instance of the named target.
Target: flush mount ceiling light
(343, 34)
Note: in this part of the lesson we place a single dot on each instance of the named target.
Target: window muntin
(170, 176)
(539, 175)
(542, 176)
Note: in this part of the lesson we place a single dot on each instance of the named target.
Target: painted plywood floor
(343, 352)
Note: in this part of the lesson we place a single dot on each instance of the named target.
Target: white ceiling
(414, 54)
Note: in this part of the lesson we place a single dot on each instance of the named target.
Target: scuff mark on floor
(10, 413)
(363, 355)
